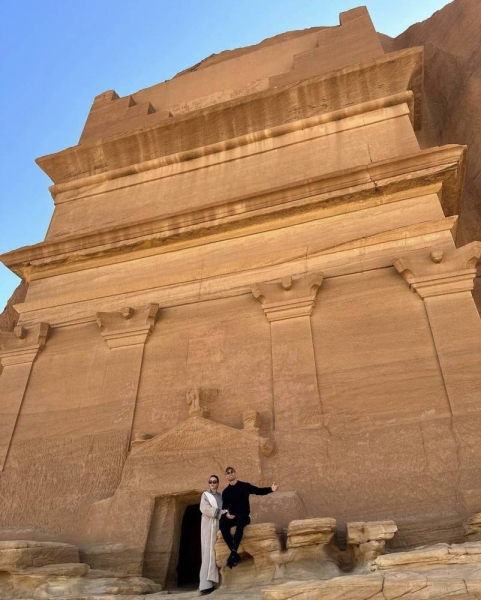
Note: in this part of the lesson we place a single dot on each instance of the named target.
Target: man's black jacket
(235, 498)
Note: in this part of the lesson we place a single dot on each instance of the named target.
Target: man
(235, 499)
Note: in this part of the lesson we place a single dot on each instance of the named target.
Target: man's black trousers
(239, 522)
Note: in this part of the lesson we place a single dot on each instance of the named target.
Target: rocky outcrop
(9, 317)
(46, 570)
(260, 550)
(309, 554)
(306, 551)
(368, 540)
(429, 573)
(431, 556)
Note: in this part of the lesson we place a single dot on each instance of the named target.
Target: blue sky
(55, 56)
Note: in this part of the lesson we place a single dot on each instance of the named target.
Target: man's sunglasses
(229, 472)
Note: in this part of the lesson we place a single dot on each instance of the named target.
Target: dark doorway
(190, 558)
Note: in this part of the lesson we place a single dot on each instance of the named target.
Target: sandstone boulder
(261, 552)
(310, 532)
(368, 540)
(308, 555)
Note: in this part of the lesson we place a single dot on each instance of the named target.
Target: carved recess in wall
(289, 297)
(23, 344)
(128, 326)
(197, 399)
(441, 272)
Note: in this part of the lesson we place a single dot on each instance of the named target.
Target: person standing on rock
(235, 501)
(211, 509)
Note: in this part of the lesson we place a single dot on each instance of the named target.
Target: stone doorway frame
(161, 553)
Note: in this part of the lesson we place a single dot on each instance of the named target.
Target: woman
(211, 509)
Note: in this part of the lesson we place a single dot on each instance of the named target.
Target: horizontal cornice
(435, 170)
(372, 252)
(225, 125)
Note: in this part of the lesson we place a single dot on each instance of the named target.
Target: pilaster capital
(438, 272)
(22, 344)
(128, 326)
(289, 297)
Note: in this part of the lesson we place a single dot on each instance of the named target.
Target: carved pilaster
(125, 332)
(18, 351)
(288, 297)
(288, 304)
(445, 280)
(128, 326)
(436, 273)
(23, 344)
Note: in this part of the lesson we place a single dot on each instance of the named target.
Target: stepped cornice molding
(435, 170)
(254, 144)
(356, 256)
(438, 272)
(232, 123)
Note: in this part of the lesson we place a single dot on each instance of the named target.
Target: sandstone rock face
(250, 264)
(9, 317)
(452, 92)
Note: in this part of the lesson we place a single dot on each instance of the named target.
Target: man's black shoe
(208, 591)
(236, 559)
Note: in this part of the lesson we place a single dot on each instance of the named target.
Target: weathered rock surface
(452, 96)
(368, 540)
(440, 554)
(308, 553)
(309, 532)
(260, 549)
(459, 582)
(43, 570)
(169, 215)
(472, 527)
(19, 555)
(9, 317)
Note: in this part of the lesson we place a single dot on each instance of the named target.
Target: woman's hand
(229, 516)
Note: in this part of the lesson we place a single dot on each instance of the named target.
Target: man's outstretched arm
(262, 491)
